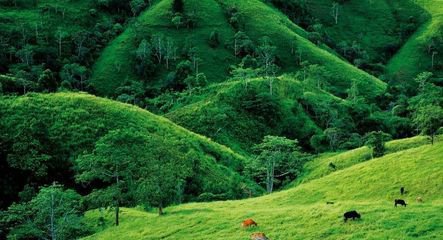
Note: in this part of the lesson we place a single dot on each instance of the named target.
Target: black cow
(399, 202)
(351, 214)
(402, 190)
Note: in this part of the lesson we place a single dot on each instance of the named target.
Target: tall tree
(376, 141)
(113, 161)
(429, 119)
(277, 156)
(54, 213)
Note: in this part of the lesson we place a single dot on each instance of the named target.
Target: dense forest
(109, 107)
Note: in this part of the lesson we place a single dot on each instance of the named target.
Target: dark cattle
(399, 202)
(329, 202)
(351, 214)
(402, 190)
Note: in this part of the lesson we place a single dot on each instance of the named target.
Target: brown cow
(259, 236)
(248, 223)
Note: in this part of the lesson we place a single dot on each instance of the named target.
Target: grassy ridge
(217, 113)
(72, 123)
(319, 167)
(412, 57)
(259, 20)
(301, 212)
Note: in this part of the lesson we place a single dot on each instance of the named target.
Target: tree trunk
(160, 210)
(117, 211)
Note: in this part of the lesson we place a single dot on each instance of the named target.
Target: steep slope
(302, 212)
(258, 19)
(49, 131)
(413, 57)
(377, 27)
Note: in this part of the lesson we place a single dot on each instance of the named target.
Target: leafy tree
(177, 20)
(26, 54)
(114, 161)
(74, 75)
(376, 141)
(47, 80)
(137, 6)
(334, 136)
(54, 213)
(164, 172)
(277, 157)
(429, 119)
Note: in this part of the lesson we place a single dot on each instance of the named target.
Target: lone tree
(376, 141)
(162, 174)
(178, 6)
(277, 157)
(429, 119)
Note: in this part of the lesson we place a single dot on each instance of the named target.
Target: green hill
(49, 131)
(413, 57)
(302, 212)
(258, 20)
(379, 28)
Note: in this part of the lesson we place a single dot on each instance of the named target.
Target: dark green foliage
(214, 39)
(376, 141)
(54, 213)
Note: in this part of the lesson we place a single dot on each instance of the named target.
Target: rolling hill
(302, 212)
(413, 57)
(258, 19)
(49, 131)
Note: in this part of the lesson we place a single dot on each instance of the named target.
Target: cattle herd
(347, 215)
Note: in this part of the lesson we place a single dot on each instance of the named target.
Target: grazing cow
(402, 190)
(399, 202)
(419, 199)
(329, 202)
(259, 236)
(351, 214)
(332, 166)
(248, 223)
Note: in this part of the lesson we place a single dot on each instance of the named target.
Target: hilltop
(257, 20)
(302, 212)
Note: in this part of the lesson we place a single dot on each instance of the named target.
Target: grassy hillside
(319, 167)
(413, 57)
(239, 114)
(378, 27)
(258, 19)
(49, 131)
(302, 212)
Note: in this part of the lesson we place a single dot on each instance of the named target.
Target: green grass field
(302, 212)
